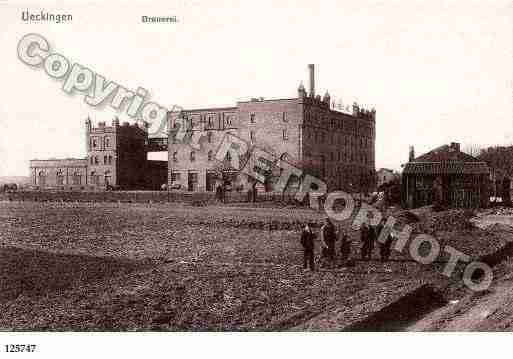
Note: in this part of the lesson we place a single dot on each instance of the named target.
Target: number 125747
(19, 348)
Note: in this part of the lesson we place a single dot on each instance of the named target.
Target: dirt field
(87, 266)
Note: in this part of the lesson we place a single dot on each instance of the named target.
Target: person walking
(307, 241)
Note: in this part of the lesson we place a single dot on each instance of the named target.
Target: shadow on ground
(35, 272)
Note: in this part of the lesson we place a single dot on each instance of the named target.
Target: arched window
(110, 159)
(41, 178)
(105, 159)
(193, 156)
(92, 160)
(210, 155)
(284, 156)
(60, 177)
(96, 160)
(107, 142)
(175, 156)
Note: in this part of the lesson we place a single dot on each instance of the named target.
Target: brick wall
(331, 145)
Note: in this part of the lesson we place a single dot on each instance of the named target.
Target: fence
(144, 197)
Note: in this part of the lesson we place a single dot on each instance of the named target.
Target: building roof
(446, 159)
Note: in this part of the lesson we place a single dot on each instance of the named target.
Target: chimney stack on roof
(411, 156)
(312, 80)
(455, 146)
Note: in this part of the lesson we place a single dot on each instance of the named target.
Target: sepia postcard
(172, 172)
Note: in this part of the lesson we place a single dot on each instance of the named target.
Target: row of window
(351, 157)
(337, 139)
(76, 178)
(284, 135)
(341, 124)
(209, 120)
(107, 160)
(96, 141)
(253, 119)
(210, 156)
(192, 121)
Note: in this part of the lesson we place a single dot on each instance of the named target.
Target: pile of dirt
(499, 227)
(406, 217)
(449, 220)
(501, 211)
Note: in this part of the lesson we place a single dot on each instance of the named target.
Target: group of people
(329, 236)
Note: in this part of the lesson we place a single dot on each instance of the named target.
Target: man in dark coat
(364, 238)
(307, 241)
(379, 227)
(329, 237)
(345, 248)
(371, 238)
(384, 249)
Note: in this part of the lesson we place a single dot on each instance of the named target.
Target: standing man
(379, 227)
(307, 241)
(364, 238)
(329, 238)
(345, 248)
(384, 247)
(371, 238)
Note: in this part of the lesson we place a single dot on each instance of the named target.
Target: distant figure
(345, 248)
(379, 227)
(384, 249)
(364, 238)
(253, 193)
(368, 236)
(220, 193)
(371, 239)
(307, 241)
(329, 237)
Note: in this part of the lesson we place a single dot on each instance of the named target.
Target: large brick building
(116, 156)
(307, 131)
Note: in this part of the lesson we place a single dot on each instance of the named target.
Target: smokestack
(411, 156)
(312, 79)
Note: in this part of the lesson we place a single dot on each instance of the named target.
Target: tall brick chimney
(88, 126)
(312, 79)
(411, 156)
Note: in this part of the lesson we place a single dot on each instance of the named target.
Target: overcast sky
(436, 72)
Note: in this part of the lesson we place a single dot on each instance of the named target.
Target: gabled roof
(440, 168)
(446, 159)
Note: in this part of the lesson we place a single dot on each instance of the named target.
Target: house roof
(445, 153)
(446, 159)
